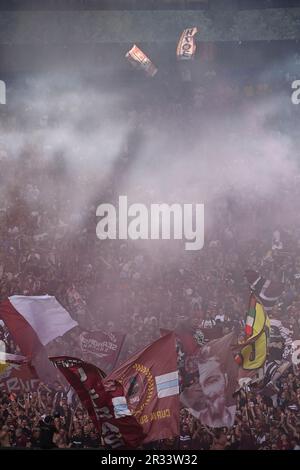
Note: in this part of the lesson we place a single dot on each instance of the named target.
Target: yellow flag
(253, 355)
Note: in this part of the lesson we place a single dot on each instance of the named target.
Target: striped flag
(120, 407)
(167, 385)
(251, 315)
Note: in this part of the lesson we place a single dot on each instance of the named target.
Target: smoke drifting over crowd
(165, 341)
(81, 132)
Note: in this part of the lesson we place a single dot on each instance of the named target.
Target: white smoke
(181, 157)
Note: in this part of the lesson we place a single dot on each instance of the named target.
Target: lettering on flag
(187, 46)
(105, 403)
(101, 348)
(139, 59)
(18, 378)
(150, 381)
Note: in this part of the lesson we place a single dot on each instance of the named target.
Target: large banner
(151, 386)
(213, 373)
(100, 348)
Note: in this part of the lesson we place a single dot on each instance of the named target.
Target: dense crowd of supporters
(48, 419)
(47, 247)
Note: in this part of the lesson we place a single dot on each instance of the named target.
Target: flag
(186, 47)
(279, 350)
(276, 341)
(17, 375)
(139, 59)
(272, 372)
(2, 352)
(150, 381)
(97, 347)
(25, 378)
(6, 359)
(250, 377)
(268, 292)
(190, 339)
(281, 340)
(101, 348)
(295, 357)
(105, 403)
(210, 397)
(34, 321)
(253, 349)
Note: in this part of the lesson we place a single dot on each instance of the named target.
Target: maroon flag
(268, 292)
(105, 403)
(101, 348)
(186, 340)
(189, 337)
(150, 380)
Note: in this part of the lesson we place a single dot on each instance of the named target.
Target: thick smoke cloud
(81, 132)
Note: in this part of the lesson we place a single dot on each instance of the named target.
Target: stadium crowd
(118, 286)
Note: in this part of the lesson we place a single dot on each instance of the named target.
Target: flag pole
(247, 412)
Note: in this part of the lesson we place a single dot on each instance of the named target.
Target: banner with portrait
(213, 374)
